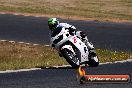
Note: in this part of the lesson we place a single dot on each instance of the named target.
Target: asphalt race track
(114, 36)
(63, 78)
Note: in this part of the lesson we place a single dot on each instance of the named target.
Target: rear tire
(72, 60)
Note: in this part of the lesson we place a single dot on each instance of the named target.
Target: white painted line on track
(62, 66)
(27, 43)
(2, 13)
(16, 14)
(21, 42)
(36, 44)
(3, 40)
(20, 70)
(123, 61)
(12, 41)
(46, 45)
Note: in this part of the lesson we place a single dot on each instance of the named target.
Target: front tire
(71, 58)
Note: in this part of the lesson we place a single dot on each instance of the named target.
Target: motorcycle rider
(54, 24)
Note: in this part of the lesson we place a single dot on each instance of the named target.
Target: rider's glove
(72, 30)
(83, 35)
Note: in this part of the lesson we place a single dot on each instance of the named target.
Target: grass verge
(99, 9)
(19, 56)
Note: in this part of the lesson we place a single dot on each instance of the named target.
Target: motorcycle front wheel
(71, 58)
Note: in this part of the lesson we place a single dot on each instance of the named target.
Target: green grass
(16, 56)
(99, 9)
(19, 56)
(112, 56)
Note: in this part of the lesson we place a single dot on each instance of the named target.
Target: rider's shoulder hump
(59, 27)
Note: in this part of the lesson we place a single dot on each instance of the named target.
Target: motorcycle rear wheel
(93, 60)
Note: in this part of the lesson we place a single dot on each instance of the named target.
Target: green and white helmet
(52, 23)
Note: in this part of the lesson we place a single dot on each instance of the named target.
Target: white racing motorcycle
(73, 49)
